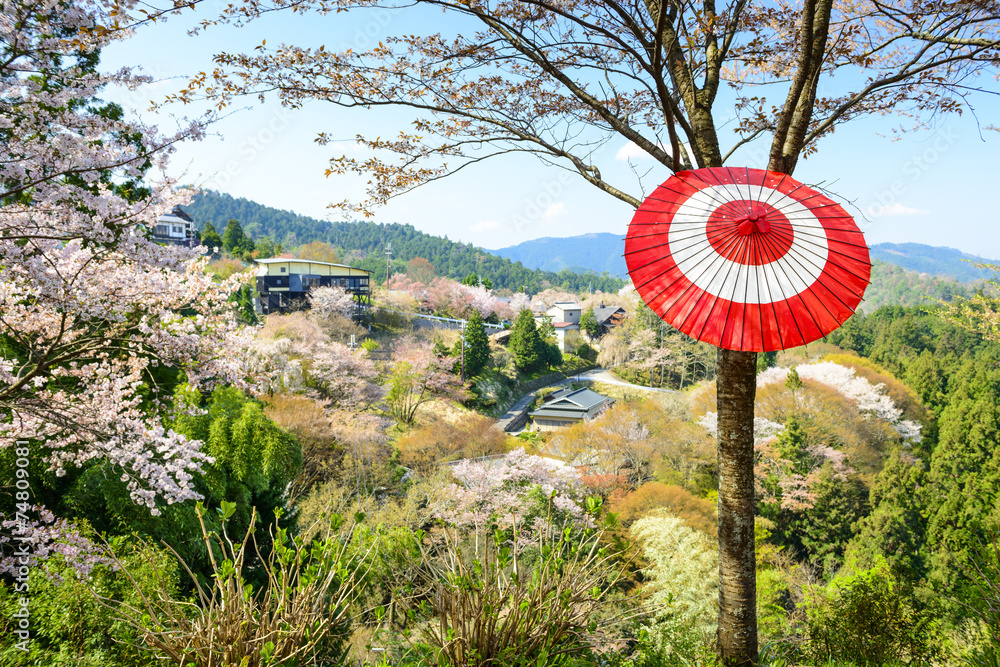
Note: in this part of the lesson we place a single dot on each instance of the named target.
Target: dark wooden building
(283, 283)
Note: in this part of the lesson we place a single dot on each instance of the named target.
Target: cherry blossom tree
(326, 301)
(496, 492)
(91, 311)
(417, 376)
(559, 79)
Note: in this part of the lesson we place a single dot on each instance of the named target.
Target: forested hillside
(363, 244)
(895, 286)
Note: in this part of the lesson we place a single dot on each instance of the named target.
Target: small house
(568, 406)
(174, 228)
(283, 283)
(609, 317)
(564, 318)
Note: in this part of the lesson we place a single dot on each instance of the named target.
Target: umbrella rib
(803, 250)
(762, 272)
(785, 297)
(735, 240)
(795, 256)
(833, 292)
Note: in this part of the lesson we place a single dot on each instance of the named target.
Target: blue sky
(930, 187)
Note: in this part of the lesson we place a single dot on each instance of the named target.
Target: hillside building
(564, 318)
(568, 406)
(283, 283)
(175, 228)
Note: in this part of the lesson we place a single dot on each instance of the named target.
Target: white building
(174, 228)
(564, 318)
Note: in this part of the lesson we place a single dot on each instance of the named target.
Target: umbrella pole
(736, 387)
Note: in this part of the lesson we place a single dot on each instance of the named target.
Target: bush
(697, 513)
(70, 626)
(864, 619)
(299, 617)
(683, 571)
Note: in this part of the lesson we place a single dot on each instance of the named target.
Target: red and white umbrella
(746, 259)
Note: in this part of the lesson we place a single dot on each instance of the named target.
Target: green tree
(210, 238)
(266, 248)
(588, 322)
(964, 494)
(477, 345)
(551, 354)
(823, 531)
(232, 236)
(896, 528)
(525, 343)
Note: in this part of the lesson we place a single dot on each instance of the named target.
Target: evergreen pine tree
(525, 344)
(477, 345)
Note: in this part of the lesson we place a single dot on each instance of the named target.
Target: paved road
(607, 377)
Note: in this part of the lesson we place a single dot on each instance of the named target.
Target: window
(283, 269)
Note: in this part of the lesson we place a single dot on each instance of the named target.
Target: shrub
(70, 627)
(863, 618)
(697, 513)
(426, 447)
(496, 605)
(683, 571)
(299, 617)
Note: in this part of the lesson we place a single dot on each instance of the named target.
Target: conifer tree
(232, 236)
(525, 343)
(477, 345)
(210, 237)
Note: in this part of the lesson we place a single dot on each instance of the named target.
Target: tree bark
(736, 388)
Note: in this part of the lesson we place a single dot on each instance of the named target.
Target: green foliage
(300, 617)
(525, 343)
(588, 322)
(822, 533)
(896, 528)
(864, 619)
(894, 285)
(234, 240)
(683, 574)
(363, 243)
(552, 356)
(70, 626)
(254, 461)
(477, 345)
(210, 237)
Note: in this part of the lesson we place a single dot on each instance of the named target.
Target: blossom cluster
(870, 399)
(90, 308)
(498, 491)
(449, 297)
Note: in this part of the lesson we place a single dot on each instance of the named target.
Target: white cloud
(554, 211)
(631, 151)
(486, 226)
(894, 209)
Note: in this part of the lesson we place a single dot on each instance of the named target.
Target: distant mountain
(363, 244)
(604, 252)
(932, 260)
(597, 252)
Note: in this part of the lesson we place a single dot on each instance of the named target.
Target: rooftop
(283, 260)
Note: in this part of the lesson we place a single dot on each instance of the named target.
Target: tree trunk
(736, 388)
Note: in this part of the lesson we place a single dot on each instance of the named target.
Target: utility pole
(388, 255)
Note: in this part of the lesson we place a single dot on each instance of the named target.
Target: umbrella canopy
(746, 259)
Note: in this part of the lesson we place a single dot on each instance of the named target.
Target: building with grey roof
(568, 406)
